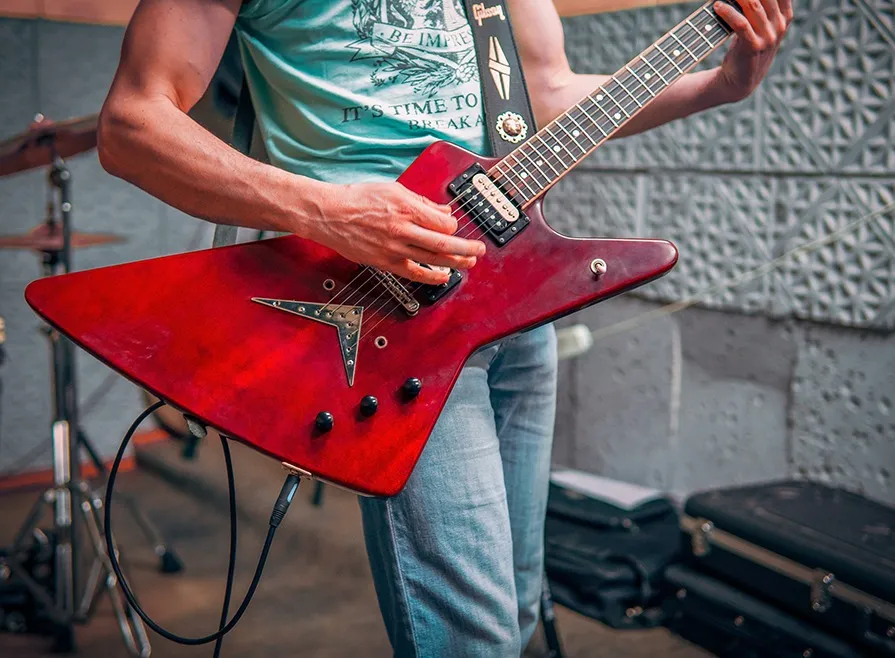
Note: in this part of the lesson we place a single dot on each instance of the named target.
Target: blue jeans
(457, 557)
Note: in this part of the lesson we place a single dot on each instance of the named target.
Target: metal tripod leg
(61, 608)
(169, 562)
(129, 623)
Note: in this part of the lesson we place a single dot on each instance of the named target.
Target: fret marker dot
(599, 97)
(618, 115)
(524, 174)
(676, 53)
(575, 133)
(647, 75)
(708, 28)
(539, 162)
(557, 148)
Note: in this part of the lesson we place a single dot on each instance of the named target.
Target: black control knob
(369, 405)
(412, 387)
(324, 421)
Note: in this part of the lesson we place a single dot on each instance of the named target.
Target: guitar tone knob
(324, 421)
(369, 405)
(412, 387)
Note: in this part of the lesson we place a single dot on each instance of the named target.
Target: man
(347, 94)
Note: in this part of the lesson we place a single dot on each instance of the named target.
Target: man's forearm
(156, 146)
(693, 93)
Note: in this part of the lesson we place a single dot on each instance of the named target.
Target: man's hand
(759, 32)
(388, 226)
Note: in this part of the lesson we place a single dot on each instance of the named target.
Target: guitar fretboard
(536, 165)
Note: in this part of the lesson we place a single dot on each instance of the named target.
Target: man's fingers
(436, 220)
(433, 215)
(775, 17)
(442, 260)
(440, 243)
(739, 24)
(758, 20)
(416, 272)
(786, 10)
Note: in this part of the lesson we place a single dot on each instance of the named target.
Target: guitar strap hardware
(508, 114)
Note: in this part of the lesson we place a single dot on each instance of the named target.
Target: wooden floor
(316, 598)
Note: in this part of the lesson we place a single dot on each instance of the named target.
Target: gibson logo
(480, 12)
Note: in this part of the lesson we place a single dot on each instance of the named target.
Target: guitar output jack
(381, 342)
(329, 284)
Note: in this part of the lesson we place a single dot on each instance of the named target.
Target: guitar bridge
(489, 205)
(398, 292)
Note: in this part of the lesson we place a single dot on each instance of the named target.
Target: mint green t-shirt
(353, 90)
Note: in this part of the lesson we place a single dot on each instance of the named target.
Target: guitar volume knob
(368, 405)
(412, 387)
(324, 421)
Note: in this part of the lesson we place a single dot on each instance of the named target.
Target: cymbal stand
(70, 498)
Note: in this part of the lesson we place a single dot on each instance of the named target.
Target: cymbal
(35, 147)
(48, 238)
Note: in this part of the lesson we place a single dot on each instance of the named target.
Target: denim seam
(401, 582)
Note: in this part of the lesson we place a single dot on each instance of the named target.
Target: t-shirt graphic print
(355, 89)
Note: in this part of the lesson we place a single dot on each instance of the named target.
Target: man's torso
(353, 90)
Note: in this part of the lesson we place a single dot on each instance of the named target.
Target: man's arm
(554, 88)
(171, 50)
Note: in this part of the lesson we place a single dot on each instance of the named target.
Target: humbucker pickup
(489, 205)
(432, 293)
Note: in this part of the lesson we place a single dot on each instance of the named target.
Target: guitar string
(703, 52)
(641, 65)
(618, 80)
(624, 108)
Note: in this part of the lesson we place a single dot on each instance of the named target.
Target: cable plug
(290, 486)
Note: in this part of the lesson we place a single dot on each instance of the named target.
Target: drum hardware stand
(71, 499)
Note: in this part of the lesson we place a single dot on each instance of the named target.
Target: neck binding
(558, 147)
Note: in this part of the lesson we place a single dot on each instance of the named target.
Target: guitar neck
(558, 147)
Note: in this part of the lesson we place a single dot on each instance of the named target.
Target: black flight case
(822, 554)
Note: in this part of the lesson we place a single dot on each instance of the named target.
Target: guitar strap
(508, 116)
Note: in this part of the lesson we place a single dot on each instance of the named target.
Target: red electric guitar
(342, 370)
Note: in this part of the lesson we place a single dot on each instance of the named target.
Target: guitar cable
(281, 506)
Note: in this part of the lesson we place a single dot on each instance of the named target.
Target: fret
(673, 63)
(512, 180)
(655, 70)
(609, 116)
(617, 115)
(541, 160)
(543, 157)
(559, 143)
(642, 83)
(554, 150)
(716, 20)
(619, 83)
(558, 122)
(522, 176)
(535, 165)
(684, 46)
(700, 33)
(592, 120)
(580, 129)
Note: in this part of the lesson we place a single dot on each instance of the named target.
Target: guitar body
(185, 328)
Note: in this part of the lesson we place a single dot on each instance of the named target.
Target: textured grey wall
(703, 397)
(694, 399)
